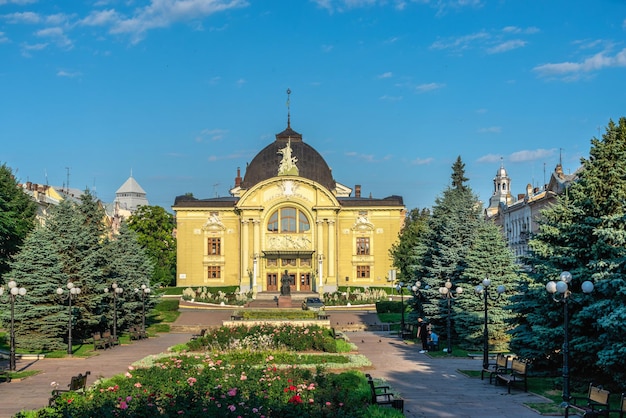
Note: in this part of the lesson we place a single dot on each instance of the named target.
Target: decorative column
(320, 252)
(331, 248)
(256, 240)
(245, 254)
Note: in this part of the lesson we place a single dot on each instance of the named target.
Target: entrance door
(272, 282)
(305, 282)
(293, 286)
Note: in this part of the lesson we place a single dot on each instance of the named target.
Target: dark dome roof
(310, 163)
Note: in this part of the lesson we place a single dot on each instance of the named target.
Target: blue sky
(182, 92)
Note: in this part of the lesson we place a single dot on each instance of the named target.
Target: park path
(431, 387)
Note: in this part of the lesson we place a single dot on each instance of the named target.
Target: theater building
(287, 215)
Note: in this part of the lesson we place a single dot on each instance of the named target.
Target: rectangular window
(305, 262)
(363, 272)
(215, 246)
(362, 246)
(214, 272)
(272, 262)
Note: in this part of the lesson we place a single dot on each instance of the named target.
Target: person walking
(422, 334)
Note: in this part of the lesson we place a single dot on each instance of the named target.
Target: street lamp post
(482, 291)
(145, 291)
(400, 289)
(449, 294)
(12, 293)
(72, 291)
(561, 294)
(116, 291)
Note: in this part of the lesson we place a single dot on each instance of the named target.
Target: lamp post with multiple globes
(449, 294)
(72, 292)
(561, 293)
(115, 291)
(144, 291)
(482, 291)
(12, 293)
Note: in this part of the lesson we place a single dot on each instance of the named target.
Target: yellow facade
(286, 223)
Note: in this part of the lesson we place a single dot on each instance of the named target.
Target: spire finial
(288, 109)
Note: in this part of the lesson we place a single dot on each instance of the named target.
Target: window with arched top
(288, 220)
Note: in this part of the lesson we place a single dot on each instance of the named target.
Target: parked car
(312, 304)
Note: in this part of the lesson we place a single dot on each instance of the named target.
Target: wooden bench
(516, 374)
(99, 342)
(236, 317)
(78, 384)
(382, 395)
(408, 332)
(338, 335)
(110, 339)
(323, 315)
(136, 333)
(595, 404)
(621, 412)
(501, 365)
(200, 335)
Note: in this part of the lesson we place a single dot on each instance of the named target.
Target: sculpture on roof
(287, 165)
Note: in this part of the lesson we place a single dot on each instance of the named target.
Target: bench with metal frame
(136, 333)
(595, 404)
(200, 335)
(501, 365)
(78, 384)
(99, 342)
(382, 395)
(516, 374)
(621, 412)
(110, 338)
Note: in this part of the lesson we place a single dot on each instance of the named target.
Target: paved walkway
(431, 387)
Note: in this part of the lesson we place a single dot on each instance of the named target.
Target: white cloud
(423, 88)
(388, 98)
(57, 35)
(164, 13)
(388, 74)
(63, 73)
(22, 17)
(327, 48)
(18, 2)
(531, 155)
(490, 130)
(514, 29)
(365, 157)
(594, 63)
(489, 158)
(101, 18)
(506, 46)
(211, 134)
(422, 161)
(3, 38)
(461, 42)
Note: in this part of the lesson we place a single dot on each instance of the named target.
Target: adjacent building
(519, 217)
(287, 216)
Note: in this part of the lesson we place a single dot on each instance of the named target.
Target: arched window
(288, 220)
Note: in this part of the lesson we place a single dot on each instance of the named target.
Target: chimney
(238, 178)
(29, 185)
(357, 190)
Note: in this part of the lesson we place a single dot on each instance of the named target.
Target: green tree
(129, 267)
(17, 218)
(584, 233)
(155, 232)
(490, 257)
(455, 220)
(41, 322)
(79, 244)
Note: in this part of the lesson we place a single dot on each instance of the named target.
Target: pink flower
(191, 381)
(128, 375)
(123, 405)
(137, 385)
(232, 392)
(232, 408)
